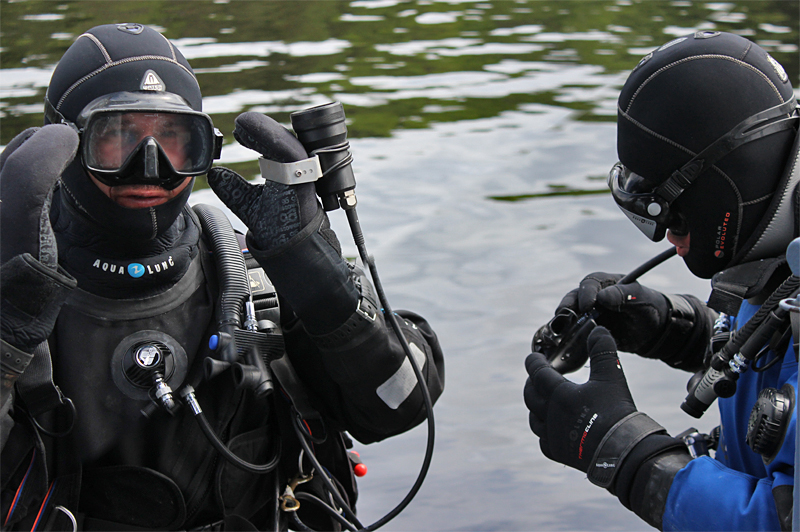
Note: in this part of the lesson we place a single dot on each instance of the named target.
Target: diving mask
(132, 138)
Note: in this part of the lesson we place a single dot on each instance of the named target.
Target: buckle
(364, 312)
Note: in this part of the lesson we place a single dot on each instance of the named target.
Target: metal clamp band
(305, 171)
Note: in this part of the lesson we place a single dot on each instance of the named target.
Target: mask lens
(622, 179)
(110, 138)
(637, 199)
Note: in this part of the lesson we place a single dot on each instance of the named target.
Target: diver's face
(117, 140)
(681, 242)
(140, 196)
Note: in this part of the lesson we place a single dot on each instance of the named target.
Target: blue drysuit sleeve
(734, 490)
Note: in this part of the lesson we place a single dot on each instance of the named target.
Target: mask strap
(750, 129)
(52, 116)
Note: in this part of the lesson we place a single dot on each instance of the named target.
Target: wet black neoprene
(669, 327)
(595, 427)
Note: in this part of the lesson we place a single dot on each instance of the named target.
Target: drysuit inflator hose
(234, 295)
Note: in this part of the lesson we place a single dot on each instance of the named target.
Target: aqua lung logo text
(134, 269)
(722, 235)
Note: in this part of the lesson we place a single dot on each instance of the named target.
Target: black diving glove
(289, 234)
(594, 427)
(32, 286)
(672, 328)
(273, 212)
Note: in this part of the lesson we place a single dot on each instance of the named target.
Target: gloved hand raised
(594, 427)
(273, 212)
(29, 168)
(669, 327)
(33, 287)
(635, 315)
(309, 272)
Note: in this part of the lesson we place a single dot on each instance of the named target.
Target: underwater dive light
(323, 132)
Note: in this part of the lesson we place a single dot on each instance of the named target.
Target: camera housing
(563, 340)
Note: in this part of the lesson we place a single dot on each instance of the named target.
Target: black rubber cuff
(682, 345)
(617, 444)
(650, 488)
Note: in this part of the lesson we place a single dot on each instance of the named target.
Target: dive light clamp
(294, 173)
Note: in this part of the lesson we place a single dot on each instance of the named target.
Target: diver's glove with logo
(289, 234)
(672, 328)
(594, 427)
(32, 285)
(273, 212)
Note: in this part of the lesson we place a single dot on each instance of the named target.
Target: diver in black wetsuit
(109, 276)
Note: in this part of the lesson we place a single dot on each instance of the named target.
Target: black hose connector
(720, 378)
(254, 375)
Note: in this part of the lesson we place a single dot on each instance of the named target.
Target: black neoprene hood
(109, 59)
(680, 99)
(116, 58)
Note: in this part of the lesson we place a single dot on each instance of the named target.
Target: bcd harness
(253, 350)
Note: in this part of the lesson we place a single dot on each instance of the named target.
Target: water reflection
(452, 105)
(390, 62)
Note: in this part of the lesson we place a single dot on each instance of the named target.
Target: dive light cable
(358, 238)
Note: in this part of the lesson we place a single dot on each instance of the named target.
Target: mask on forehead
(708, 122)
